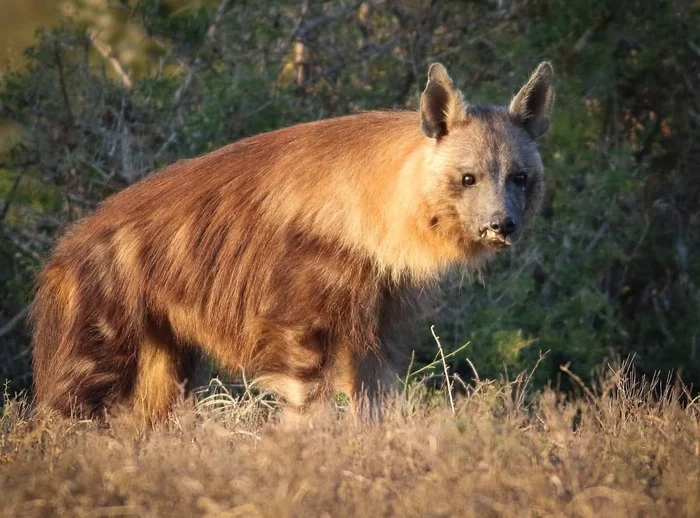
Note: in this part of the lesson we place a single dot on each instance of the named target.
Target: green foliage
(189, 29)
(612, 264)
(610, 268)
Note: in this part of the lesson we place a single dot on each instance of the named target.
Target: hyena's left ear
(532, 106)
(441, 105)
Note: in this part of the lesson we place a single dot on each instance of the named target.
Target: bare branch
(62, 82)
(11, 193)
(211, 32)
(694, 48)
(22, 247)
(13, 322)
(183, 88)
(168, 141)
(106, 52)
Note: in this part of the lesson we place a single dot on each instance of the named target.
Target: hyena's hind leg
(83, 364)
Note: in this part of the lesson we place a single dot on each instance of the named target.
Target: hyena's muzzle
(500, 231)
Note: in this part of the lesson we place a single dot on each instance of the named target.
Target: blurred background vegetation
(108, 91)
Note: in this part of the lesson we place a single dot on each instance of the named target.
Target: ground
(629, 449)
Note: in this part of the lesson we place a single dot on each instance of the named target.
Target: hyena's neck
(355, 180)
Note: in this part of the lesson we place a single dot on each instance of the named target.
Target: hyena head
(486, 175)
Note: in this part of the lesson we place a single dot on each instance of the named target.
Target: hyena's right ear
(441, 105)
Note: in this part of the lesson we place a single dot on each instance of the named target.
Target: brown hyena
(297, 255)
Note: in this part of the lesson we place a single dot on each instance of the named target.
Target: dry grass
(626, 451)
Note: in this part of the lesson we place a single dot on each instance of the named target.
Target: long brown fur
(296, 255)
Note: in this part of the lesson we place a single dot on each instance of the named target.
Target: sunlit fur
(297, 256)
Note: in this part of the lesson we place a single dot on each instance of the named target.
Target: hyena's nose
(504, 225)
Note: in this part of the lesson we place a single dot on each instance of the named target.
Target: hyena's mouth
(496, 241)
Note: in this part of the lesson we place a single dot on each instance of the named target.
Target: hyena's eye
(520, 179)
(468, 179)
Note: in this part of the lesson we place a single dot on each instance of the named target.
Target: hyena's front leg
(368, 380)
(304, 399)
(293, 363)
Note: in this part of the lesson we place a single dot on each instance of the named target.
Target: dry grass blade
(448, 382)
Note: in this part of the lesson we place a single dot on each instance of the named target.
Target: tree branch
(106, 52)
(217, 18)
(62, 82)
(11, 193)
(21, 247)
(13, 322)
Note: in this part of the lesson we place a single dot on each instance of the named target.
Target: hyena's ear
(441, 105)
(532, 106)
